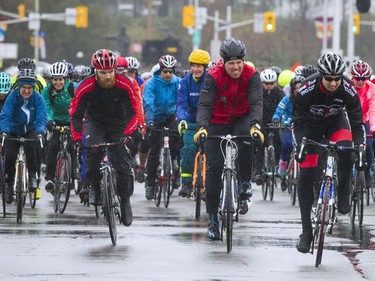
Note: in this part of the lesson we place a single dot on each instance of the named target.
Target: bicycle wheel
(20, 198)
(166, 191)
(272, 185)
(198, 187)
(109, 204)
(158, 191)
(322, 223)
(272, 165)
(360, 187)
(228, 210)
(62, 182)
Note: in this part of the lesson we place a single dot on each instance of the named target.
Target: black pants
(215, 160)
(11, 152)
(95, 133)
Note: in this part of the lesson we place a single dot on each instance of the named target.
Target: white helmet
(133, 63)
(268, 76)
(58, 69)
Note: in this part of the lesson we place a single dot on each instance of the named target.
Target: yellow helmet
(285, 77)
(199, 57)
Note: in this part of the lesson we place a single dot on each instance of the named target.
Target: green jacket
(57, 104)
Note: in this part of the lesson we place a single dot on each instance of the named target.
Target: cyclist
(28, 63)
(159, 102)
(23, 115)
(220, 113)
(361, 73)
(187, 105)
(133, 69)
(272, 95)
(107, 103)
(283, 115)
(57, 97)
(308, 70)
(5, 86)
(326, 105)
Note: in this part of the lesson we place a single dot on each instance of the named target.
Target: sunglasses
(330, 78)
(360, 78)
(167, 71)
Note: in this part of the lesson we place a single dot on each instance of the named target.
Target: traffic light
(269, 22)
(21, 11)
(363, 6)
(188, 16)
(356, 24)
(82, 13)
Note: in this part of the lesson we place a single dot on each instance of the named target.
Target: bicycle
(292, 173)
(110, 201)
(21, 176)
(199, 176)
(269, 164)
(229, 206)
(63, 173)
(165, 173)
(324, 216)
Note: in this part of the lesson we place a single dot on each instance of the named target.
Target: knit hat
(26, 82)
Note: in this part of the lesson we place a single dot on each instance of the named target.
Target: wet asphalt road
(170, 244)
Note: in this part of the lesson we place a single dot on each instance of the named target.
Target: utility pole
(36, 34)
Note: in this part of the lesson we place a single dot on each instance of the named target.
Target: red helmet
(104, 59)
(361, 69)
(122, 62)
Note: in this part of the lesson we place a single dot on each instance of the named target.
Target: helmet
(276, 69)
(168, 61)
(122, 62)
(268, 76)
(285, 77)
(155, 68)
(133, 63)
(104, 59)
(5, 83)
(298, 70)
(27, 74)
(26, 63)
(232, 49)
(331, 64)
(296, 80)
(86, 71)
(69, 66)
(199, 57)
(58, 69)
(308, 70)
(361, 69)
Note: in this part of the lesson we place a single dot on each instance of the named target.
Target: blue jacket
(160, 98)
(20, 116)
(284, 111)
(188, 97)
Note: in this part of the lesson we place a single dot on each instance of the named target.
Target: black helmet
(331, 64)
(295, 80)
(276, 69)
(308, 70)
(26, 63)
(27, 75)
(232, 48)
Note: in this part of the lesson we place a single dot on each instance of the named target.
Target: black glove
(150, 127)
(303, 155)
(50, 125)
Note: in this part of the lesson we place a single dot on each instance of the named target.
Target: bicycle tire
(65, 183)
(198, 187)
(323, 218)
(166, 187)
(265, 188)
(272, 186)
(361, 186)
(228, 211)
(19, 194)
(158, 191)
(166, 191)
(272, 166)
(108, 205)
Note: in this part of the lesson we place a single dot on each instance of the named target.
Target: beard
(106, 83)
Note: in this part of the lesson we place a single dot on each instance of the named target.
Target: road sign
(34, 21)
(70, 16)
(8, 51)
